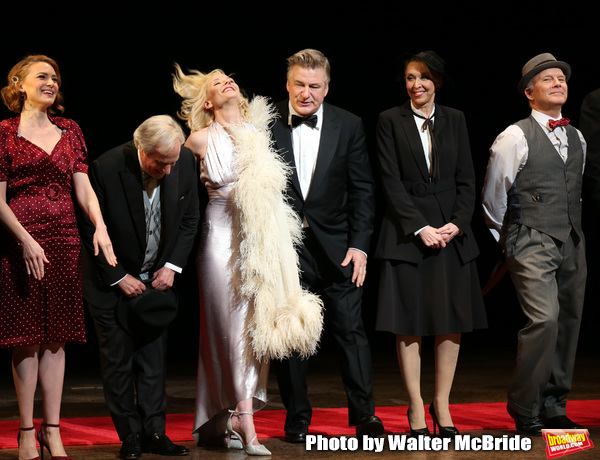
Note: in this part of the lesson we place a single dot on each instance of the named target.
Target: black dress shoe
(561, 422)
(132, 447)
(297, 431)
(530, 426)
(160, 444)
(369, 425)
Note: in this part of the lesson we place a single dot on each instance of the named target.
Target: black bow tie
(310, 121)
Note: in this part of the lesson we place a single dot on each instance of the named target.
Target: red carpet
(269, 423)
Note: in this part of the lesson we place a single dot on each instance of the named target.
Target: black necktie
(309, 121)
(434, 170)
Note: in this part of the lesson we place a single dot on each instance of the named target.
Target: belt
(52, 191)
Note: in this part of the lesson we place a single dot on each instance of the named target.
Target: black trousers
(133, 376)
(343, 319)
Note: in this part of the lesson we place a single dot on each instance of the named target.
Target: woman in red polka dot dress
(43, 158)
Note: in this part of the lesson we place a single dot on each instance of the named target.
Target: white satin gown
(228, 372)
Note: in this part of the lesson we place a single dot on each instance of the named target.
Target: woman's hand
(431, 238)
(449, 231)
(102, 243)
(34, 257)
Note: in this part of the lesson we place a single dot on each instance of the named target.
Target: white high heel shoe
(249, 448)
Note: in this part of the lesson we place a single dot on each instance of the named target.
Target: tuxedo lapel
(132, 188)
(440, 126)
(283, 137)
(170, 199)
(330, 135)
(414, 139)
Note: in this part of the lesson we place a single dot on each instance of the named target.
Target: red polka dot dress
(39, 187)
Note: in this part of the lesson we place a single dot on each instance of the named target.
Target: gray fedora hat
(538, 63)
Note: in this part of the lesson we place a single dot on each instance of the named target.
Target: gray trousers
(549, 277)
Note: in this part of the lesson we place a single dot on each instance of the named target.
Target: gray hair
(159, 133)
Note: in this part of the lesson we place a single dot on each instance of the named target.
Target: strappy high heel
(19, 441)
(445, 431)
(233, 442)
(43, 443)
(418, 432)
(249, 448)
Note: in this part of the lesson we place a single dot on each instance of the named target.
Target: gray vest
(546, 194)
(153, 227)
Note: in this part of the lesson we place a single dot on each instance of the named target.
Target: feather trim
(286, 318)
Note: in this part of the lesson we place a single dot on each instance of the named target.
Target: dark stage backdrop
(116, 60)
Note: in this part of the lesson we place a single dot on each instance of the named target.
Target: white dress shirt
(306, 142)
(508, 155)
(425, 139)
(424, 134)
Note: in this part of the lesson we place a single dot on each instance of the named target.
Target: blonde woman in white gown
(247, 265)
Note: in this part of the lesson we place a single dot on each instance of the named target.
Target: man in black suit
(147, 189)
(331, 189)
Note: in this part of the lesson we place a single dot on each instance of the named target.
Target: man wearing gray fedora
(532, 205)
(147, 190)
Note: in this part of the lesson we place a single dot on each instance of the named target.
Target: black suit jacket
(339, 207)
(402, 165)
(116, 179)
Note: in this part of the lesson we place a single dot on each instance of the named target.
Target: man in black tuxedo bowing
(331, 189)
(147, 189)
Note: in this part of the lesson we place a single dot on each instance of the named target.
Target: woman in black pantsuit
(429, 284)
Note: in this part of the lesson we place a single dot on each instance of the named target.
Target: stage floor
(483, 373)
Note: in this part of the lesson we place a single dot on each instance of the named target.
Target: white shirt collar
(543, 119)
(418, 112)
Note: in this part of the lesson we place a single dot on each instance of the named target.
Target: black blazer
(404, 172)
(339, 207)
(116, 179)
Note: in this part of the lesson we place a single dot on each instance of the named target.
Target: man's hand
(163, 279)
(359, 260)
(131, 286)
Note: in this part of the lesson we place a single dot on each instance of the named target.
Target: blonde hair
(158, 134)
(310, 59)
(193, 88)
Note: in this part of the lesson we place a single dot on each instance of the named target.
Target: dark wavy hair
(11, 95)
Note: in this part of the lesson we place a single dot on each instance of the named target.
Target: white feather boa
(286, 318)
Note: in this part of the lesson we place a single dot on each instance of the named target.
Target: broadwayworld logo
(563, 442)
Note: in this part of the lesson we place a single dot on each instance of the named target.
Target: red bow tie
(554, 123)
